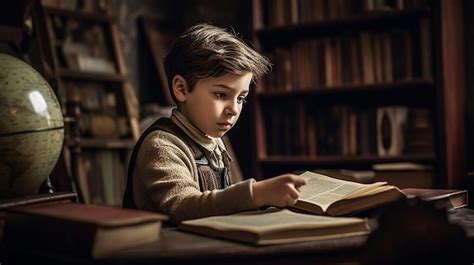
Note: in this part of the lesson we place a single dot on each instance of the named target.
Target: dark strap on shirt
(209, 178)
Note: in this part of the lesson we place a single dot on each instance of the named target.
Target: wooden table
(176, 247)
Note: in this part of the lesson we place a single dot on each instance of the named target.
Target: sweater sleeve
(166, 170)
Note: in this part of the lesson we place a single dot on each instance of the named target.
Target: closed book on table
(441, 197)
(79, 229)
(9, 203)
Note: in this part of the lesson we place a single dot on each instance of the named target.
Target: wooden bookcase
(82, 58)
(347, 72)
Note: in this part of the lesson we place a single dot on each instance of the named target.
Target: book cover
(79, 229)
(446, 198)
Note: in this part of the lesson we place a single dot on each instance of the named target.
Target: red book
(441, 197)
(79, 229)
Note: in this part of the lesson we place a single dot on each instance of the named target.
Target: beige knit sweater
(165, 178)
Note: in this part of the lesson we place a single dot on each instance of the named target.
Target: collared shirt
(214, 146)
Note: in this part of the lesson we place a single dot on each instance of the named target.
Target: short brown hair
(205, 51)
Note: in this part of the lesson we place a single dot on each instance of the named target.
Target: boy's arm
(166, 171)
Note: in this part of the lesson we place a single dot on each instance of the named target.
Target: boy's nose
(232, 109)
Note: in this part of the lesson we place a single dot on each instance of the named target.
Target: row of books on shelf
(102, 176)
(347, 131)
(287, 12)
(352, 59)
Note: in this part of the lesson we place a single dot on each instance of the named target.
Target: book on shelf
(442, 198)
(276, 226)
(79, 229)
(420, 131)
(95, 64)
(390, 130)
(325, 195)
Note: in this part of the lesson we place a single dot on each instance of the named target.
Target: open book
(329, 196)
(275, 226)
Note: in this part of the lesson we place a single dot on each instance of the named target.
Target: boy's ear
(180, 88)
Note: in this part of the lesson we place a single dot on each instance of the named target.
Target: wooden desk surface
(186, 248)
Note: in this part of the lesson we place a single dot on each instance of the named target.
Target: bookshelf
(82, 58)
(357, 83)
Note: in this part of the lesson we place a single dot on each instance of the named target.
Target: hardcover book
(79, 229)
(274, 226)
(440, 197)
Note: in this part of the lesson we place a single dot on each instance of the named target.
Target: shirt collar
(209, 143)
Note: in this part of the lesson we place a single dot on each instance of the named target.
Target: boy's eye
(220, 95)
(241, 100)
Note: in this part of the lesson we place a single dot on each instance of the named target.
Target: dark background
(237, 15)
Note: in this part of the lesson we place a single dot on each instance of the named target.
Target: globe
(31, 128)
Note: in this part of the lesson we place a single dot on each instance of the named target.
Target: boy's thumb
(300, 181)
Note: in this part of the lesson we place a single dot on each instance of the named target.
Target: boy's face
(214, 105)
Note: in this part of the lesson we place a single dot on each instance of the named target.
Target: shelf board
(341, 161)
(95, 143)
(90, 76)
(80, 15)
(366, 20)
(420, 84)
(417, 91)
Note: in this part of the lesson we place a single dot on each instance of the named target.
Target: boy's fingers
(293, 192)
(299, 181)
(291, 201)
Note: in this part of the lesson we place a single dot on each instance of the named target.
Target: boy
(180, 166)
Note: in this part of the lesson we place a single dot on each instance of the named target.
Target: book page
(324, 191)
(373, 190)
(271, 220)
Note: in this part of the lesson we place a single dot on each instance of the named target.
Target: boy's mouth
(225, 125)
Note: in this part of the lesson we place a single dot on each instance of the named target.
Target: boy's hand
(280, 191)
